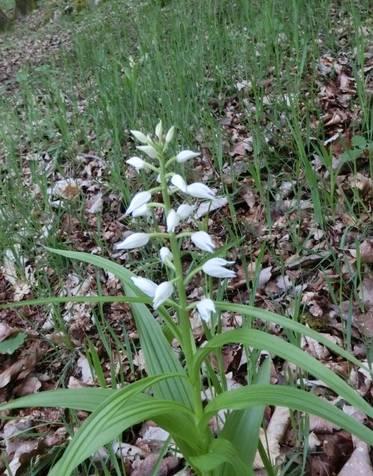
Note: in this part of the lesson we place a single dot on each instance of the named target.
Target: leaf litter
(325, 265)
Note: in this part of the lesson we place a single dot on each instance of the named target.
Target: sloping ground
(32, 41)
(283, 122)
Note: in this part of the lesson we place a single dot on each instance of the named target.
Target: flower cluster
(171, 185)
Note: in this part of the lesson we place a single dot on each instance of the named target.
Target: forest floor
(279, 102)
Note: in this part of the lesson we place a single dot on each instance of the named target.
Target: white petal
(200, 190)
(163, 292)
(170, 135)
(138, 201)
(172, 221)
(136, 162)
(185, 155)
(179, 182)
(165, 255)
(184, 211)
(136, 240)
(145, 285)
(141, 137)
(203, 241)
(205, 308)
(159, 130)
(215, 267)
(148, 150)
(142, 211)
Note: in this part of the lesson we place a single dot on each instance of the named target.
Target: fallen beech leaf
(366, 251)
(272, 437)
(359, 463)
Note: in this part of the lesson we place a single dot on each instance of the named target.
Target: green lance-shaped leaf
(221, 451)
(159, 356)
(290, 324)
(293, 398)
(87, 399)
(242, 427)
(114, 416)
(260, 340)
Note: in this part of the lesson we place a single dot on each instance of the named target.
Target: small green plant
(171, 393)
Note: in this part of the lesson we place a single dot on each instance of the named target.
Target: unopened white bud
(203, 241)
(172, 221)
(159, 130)
(185, 155)
(184, 211)
(215, 267)
(140, 136)
(165, 255)
(136, 240)
(140, 199)
(137, 163)
(205, 308)
(148, 150)
(145, 285)
(170, 135)
(162, 293)
(200, 190)
(178, 181)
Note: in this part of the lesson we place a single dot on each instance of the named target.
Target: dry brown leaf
(359, 463)
(271, 439)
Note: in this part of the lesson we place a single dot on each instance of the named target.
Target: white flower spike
(137, 163)
(178, 181)
(215, 267)
(145, 285)
(140, 136)
(165, 255)
(205, 308)
(172, 221)
(162, 293)
(148, 150)
(203, 241)
(184, 211)
(140, 199)
(170, 135)
(185, 155)
(200, 190)
(136, 240)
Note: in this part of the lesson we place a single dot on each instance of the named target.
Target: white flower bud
(215, 267)
(145, 285)
(141, 137)
(165, 255)
(200, 190)
(138, 201)
(178, 181)
(162, 293)
(205, 308)
(159, 130)
(170, 135)
(185, 155)
(184, 211)
(203, 241)
(136, 240)
(137, 163)
(142, 211)
(172, 221)
(148, 150)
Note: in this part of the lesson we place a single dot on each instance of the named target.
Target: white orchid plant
(173, 393)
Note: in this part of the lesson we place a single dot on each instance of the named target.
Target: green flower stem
(187, 341)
